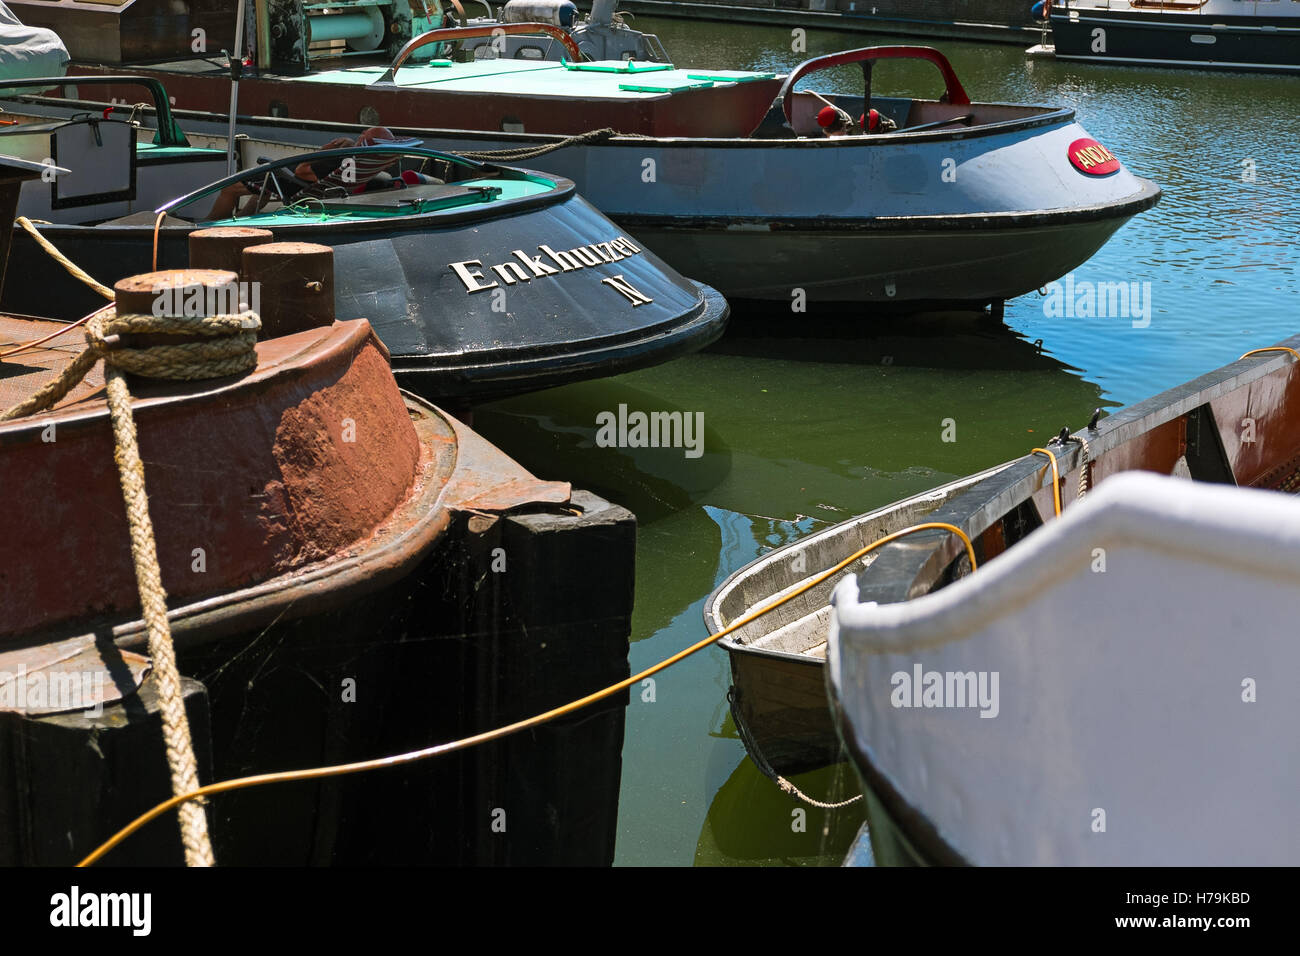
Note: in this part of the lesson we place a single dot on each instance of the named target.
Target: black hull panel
(1240, 44)
(519, 332)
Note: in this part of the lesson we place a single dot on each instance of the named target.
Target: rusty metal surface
(488, 480)
(70, 675)
(460, 472)
(291, 465)
(24, 373)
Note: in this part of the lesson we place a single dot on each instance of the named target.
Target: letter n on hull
(629, 291)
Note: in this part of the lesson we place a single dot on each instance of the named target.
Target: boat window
(530, 53)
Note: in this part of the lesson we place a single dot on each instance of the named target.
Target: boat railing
(453, 34)
(169, 132)
(954, 92)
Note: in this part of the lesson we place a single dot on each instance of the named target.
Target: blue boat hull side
(1224, 43)
(510, 335)
(884, 265)
(705, 205)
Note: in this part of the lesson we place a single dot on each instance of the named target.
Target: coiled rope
(227, 348)
(438, 750)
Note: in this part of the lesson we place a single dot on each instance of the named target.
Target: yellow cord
(1273, 348)
(490, 735)
(157, 224)
(1056, 478)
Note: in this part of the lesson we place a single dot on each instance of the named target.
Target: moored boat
(1203, 34)
(927, 202)
(321, 538)
(481, 280)
(1127, 704)
(778, 686)
(1146, 615)
(778, 660)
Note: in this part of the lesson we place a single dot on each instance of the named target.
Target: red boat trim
(955, 92)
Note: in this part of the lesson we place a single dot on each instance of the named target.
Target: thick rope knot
(229, 349)
(218, 346)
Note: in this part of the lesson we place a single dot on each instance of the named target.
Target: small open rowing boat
(778, 690)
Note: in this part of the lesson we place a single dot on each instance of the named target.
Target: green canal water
(807, 424)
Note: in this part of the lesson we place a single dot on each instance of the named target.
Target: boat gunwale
(1181, 20)
(900, 574)
(1053, 115)
(712, 610)
(562, 191)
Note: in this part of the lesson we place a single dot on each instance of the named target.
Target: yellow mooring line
(438, 750)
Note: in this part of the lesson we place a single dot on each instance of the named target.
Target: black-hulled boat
(482, 280)
(313, 529)
(1213, 34)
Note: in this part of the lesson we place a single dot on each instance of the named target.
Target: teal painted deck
(309, 215)
(607, 79)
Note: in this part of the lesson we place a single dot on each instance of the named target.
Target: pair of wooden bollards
(232, 268)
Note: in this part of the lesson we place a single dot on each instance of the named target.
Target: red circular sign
(1089, 156)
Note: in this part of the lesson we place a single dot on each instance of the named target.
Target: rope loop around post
(214, 347)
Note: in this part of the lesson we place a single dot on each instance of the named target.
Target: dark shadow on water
(942, 340)
(554, 434)
(751, 822)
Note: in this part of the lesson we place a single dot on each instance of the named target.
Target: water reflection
(812, 419)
